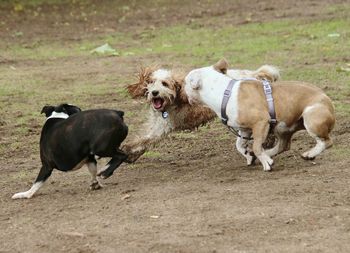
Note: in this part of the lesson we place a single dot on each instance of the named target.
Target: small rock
(126, 196)
(76, 234)
(290, 221)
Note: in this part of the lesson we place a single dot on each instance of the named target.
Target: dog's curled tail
(268, 72)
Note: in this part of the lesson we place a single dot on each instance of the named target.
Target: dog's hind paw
(307, 158)
(95, 186)
(251, 158)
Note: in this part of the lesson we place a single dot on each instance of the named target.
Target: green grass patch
(339, 152)
(123, 92)
(152, 154)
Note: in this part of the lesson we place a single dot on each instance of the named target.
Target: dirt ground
(197, 195)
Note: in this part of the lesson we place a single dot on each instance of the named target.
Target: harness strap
(269, 99)
(225, 99)
(270, 103)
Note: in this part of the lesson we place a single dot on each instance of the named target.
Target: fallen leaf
(333, 35)
(128, 53)
(343, 69)
(18, 7)
(105, 49)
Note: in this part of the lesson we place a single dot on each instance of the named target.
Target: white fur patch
(158, 89)
(239, 73)
(211, 92)
(232, 106)
(161, 74)
(28, 194)
(266, 161)
(307, 110)
(320, 146)
(273, 71)
(58, 115)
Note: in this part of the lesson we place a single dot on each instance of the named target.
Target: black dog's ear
(71, 109)
(47, 109)
(121, 114)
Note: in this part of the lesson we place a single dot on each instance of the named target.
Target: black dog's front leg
(113, 164)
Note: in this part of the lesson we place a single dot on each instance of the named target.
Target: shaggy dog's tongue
(157, 103)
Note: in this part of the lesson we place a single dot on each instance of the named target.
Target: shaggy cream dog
(169, 107)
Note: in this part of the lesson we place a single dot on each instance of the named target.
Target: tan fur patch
(221, 66)
(139, 89)
(251, 95)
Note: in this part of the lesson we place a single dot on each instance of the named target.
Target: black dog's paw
(105, 174)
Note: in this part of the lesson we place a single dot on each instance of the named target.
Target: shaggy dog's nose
(155, 93)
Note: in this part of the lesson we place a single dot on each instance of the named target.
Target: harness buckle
(227, 93)
(267, 89)
(272, 121)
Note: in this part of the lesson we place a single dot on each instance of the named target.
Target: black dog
(71, 138)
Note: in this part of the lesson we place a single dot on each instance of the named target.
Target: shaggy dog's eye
(165, 84)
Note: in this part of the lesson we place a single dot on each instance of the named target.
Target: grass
(287, 44)
(152, 154)
(339, 152)
(20, 5)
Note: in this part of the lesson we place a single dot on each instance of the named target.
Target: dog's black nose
(155, 93)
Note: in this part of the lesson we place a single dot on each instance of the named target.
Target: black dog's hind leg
(92, 166)
(44, 174)
(113, 164)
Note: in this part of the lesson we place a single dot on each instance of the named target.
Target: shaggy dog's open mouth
(158, 103)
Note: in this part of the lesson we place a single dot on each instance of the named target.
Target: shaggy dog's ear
(221, 66)
(139, 89)
(181, 96)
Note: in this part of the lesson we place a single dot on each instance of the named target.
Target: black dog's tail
(112, 165)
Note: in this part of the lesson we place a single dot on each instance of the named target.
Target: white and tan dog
(169, 107)
(298, 106)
